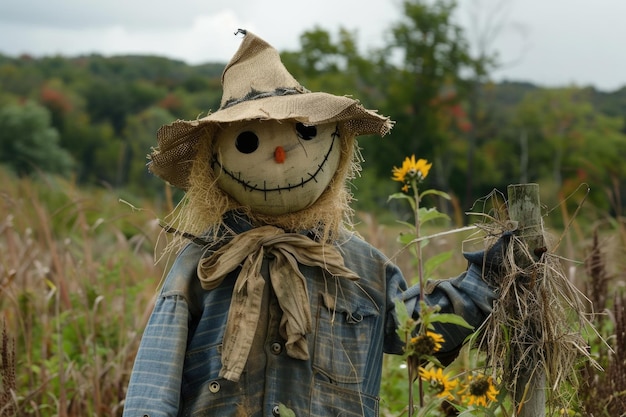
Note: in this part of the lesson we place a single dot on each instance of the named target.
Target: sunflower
(438, 382)
(480, 391)
(426, 344)
(411, 170)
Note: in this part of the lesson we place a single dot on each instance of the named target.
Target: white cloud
(561, 41)
(207, 38)
(210, 38)
(86, 14)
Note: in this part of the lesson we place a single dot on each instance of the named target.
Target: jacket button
(276, 411)
(214, 386)
(276, 348)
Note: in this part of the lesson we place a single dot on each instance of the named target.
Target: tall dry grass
(603, 393)
(77, 278)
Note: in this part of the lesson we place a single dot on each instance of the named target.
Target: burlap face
(276, 167)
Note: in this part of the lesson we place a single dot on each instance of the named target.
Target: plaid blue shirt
(178, 362)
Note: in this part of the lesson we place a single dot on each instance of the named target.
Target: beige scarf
(284, 251)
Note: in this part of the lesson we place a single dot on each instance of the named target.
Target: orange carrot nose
(279, 155)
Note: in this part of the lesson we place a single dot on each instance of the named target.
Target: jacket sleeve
(468, 295)
(155, 383)
(154, 387)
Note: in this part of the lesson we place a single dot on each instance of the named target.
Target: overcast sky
(548, 42)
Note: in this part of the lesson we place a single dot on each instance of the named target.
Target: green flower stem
(420, 273)
(418, 246)
(411, 376)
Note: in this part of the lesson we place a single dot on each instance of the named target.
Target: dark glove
(489, 264)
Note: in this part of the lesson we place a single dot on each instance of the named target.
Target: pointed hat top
(256, 71)
(256, 85)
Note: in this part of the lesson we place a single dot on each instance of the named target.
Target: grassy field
(77, 279)
(78, 276)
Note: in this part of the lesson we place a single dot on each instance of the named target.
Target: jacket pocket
(343, 338)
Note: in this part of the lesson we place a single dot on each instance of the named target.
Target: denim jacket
(176, 371)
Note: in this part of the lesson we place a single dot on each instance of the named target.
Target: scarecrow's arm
(155, 383)
(467, 295)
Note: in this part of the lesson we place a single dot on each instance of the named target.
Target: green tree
(19, 76)
(86, 141)
(28, 143)
(569, 143)
(141, 137)
(601, 163)
(432, 52)
(427, 92)
(334, 66)
(556, 122)
(108, 102)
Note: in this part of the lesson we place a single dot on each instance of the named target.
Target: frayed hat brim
(177, 142)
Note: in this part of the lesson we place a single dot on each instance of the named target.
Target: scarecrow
(273, 299)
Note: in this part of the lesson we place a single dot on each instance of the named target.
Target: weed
(76, 286)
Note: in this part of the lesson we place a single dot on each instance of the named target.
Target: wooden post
(524, 208)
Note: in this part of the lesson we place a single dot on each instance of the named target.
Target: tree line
(95, 117)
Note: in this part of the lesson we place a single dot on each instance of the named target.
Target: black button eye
(247, 142)
(306, 132)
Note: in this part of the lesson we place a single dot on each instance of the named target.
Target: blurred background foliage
(94, 118)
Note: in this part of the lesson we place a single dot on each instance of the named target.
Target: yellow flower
(426, 344)
(480, 391)
(440, 383)
(411, 169)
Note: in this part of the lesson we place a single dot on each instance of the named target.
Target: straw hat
(256, 85)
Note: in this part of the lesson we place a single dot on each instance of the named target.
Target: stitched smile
(249, 186)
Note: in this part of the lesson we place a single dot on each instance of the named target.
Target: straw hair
(257, 86)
